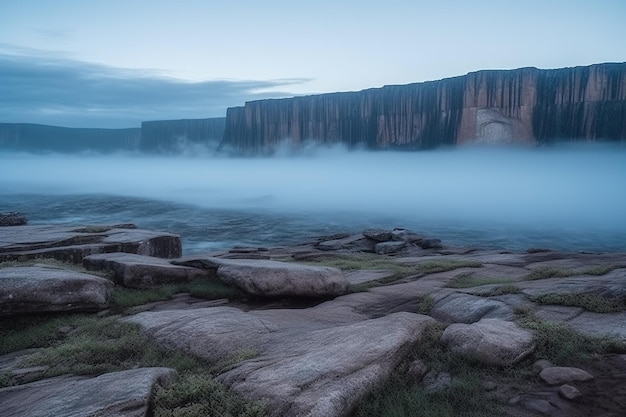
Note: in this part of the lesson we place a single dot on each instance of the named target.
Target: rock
(406, 236)
(541, 364)
(211, 333)
(466, 308)
(384, 248)
(489, 385)
(430, 244)
(40, 288)
(569, 392)
(538, 250)
(436, 381)
(137, 271)
(71, 244)
(117, 394)
(325, 373)
(541, 406)
(556, 375)
(309, 362)
(379, 235)
(348, 242)
(363, 276)
(275, 279)
(12, 219)
(470, 109)
(490, 341)
(417, 370)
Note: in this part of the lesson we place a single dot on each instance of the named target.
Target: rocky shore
(323, 328)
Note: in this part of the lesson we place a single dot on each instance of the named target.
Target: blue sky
(115, 63)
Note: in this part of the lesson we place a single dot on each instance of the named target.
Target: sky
(116, 63)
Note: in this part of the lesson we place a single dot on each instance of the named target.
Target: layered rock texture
(522, 106)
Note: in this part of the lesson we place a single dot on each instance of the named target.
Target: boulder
(466, 308)
(137, 271)
(379, 235)
(430, 244)
(40, 288)
(490, 341)
(557, 375)
(117, 394)
(569, 392)
(276, 279)
(384, 248)
(406, 236)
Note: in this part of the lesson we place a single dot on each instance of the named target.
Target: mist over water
(567, 197)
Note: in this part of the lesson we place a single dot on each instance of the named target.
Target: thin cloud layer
(59, 91)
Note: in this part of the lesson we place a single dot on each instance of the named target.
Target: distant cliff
(177, 135)
(526, 105)
(42, 138)
(165, 136)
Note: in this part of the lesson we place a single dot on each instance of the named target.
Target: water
(568, 198)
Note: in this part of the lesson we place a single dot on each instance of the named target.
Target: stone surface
(137, 271)
(430, 244)
(417, 370)
(72, 244)
(379, 235)
(12, 219)
(491, 341)
(118, 394)
(40, 288)
(569, 392)
(273, 279)
(384, 248)
(466, 308)
(556, 375)
(436, 381)
(363, 276)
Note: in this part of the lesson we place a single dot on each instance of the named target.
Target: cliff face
(526, 105)
(42, 138)
(176, 135)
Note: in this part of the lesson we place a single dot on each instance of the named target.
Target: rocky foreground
(321, 325)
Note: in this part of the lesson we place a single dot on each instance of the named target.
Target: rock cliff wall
(526, 105)
(176, 135)
(43, 138)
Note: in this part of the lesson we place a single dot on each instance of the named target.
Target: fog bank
(569, 187)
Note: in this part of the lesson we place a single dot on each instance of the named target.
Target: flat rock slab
(117, 394)
(466, 308)
(306, 365)
(490, 341)
(276, 279)
(40, 288)
(71, 243)
(138, 271)
(557, 375)
(364, 276)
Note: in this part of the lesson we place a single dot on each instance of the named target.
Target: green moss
(552, 272)
(468, 280)
(590, 302)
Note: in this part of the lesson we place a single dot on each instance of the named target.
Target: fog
(565, 188)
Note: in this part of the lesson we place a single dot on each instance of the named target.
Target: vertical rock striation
(526, 105)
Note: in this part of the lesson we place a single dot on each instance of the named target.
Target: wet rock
(385, 248)
(137, 271)
(561, 375)
(491, 341)
(40, 288)
(117, 394)
(406, 236)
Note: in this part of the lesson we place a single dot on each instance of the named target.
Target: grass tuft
(468, 280)
(590, 302)
(552, 272)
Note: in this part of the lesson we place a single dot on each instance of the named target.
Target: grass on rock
(553, 272)
(590, 302)
(468, 280)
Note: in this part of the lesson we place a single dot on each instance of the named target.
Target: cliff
(177, 135)
(43, 138)
(526, 105)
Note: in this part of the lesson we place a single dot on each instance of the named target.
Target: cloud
(53, 89)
